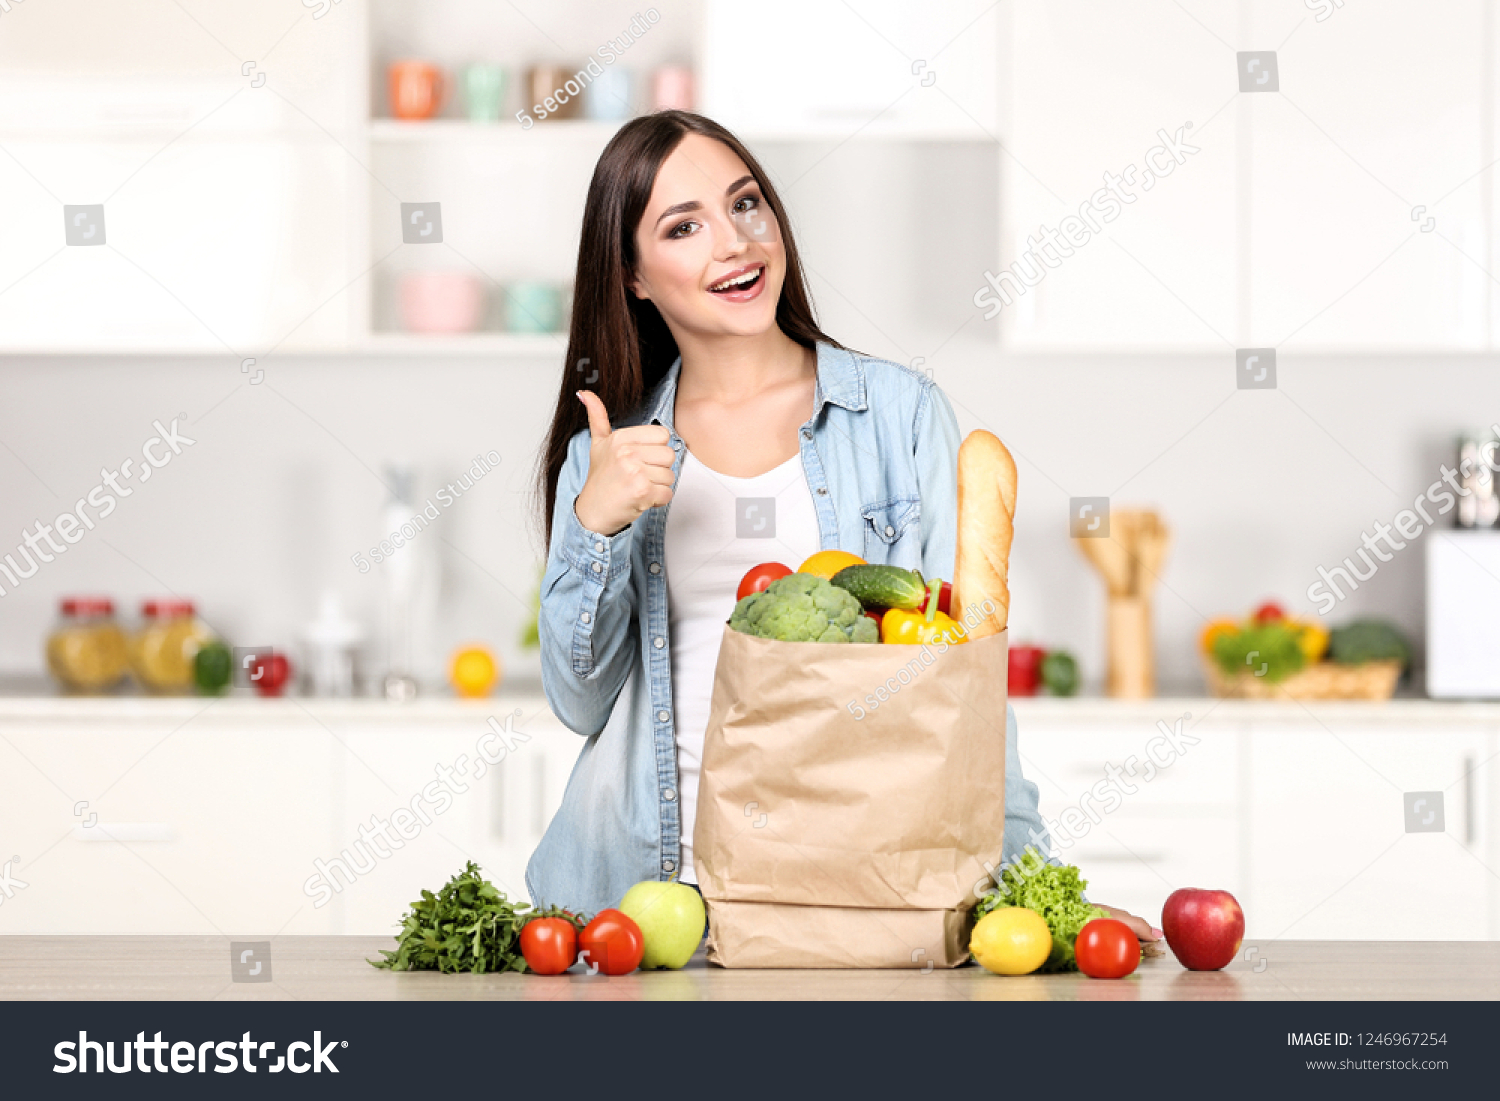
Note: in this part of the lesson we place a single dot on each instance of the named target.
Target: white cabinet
(1331, 852)
(1347, 210)
(168, 822)
(1297, 810)
(211, 818)
(1087, 87)
(493, 812)
(1162, 826)
(889, 68)
(226, 185)
(1366, 196)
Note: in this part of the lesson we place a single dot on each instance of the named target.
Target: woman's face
(708, 248)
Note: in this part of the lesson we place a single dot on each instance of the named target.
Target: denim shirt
(880, 454)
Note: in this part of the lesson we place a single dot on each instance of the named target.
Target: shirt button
(663, 716)
(598, 567)
(669, 795)
(586, 617)
(598, 548)
(667, 865)
(889, 531)
(807, 433)
(658, 642)
(822, 491)
(655, 567)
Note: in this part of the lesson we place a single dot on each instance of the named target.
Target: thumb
(598, 418)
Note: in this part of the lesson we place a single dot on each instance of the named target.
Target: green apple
(671, 919)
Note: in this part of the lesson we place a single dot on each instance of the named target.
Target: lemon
(474, 672)
(826, 563)
(1011, 941)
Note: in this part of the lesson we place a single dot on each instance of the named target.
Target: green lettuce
(1053, 891)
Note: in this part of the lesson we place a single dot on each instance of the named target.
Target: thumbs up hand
(630, 471)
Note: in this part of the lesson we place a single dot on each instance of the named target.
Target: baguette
(986, 515)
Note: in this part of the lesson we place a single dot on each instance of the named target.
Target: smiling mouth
(742, 282)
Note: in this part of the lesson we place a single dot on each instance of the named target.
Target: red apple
(1204, 928)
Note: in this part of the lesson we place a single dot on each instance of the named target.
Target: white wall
(268, 505)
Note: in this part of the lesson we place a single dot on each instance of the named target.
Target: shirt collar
(841, 382)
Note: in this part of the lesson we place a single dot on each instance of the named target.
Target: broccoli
(1368, 640)
(803, 608)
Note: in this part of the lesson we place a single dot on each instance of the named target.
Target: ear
(636, 287)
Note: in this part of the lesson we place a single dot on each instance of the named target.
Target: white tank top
(717, 529)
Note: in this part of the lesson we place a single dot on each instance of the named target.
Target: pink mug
(672, 88)
(440, 301)
(418, 89)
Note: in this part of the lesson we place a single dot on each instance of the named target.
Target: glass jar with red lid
(86, 651)
(162, 651)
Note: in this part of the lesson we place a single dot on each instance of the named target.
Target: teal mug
(533, 306)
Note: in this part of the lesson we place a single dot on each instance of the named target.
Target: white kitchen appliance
(1463, 614)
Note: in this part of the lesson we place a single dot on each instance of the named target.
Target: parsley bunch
(469, 925)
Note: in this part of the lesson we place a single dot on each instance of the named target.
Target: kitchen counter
(1402, 711)
(333, 968)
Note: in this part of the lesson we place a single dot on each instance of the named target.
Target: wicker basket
(1327, 680)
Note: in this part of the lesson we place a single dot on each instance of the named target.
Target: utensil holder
(1132, 672)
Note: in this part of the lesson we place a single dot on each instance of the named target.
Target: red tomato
(613, 942)
(1107, 949)
(270, 673)
(875, 616)
(1269, 612)
(759, 577)
(550, 945)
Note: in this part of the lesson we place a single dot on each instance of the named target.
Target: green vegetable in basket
(804, 608)
(1053, 890)
(1367, 640)
(1272, 651)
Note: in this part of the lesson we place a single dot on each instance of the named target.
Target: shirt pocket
(886, 524)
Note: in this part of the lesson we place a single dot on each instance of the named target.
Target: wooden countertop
(334, 969)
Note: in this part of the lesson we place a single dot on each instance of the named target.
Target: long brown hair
(618, 345)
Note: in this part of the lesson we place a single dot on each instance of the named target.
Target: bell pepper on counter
(917, 627)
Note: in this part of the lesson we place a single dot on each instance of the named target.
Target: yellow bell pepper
(1312, 638)
(1213, 631)
(916, 628)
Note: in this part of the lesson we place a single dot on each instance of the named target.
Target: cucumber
(883, 586)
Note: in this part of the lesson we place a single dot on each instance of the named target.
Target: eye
(682, 229)
(745, 203)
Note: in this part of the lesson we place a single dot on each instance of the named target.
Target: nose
(729, 243)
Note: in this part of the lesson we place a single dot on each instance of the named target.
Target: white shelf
(587, 132)
(504, 131)
(493, 344)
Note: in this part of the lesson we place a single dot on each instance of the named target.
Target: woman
(705, 425)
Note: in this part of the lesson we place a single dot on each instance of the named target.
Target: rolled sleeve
(597, 558)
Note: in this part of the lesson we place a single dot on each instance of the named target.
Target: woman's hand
(630, 471)
(1139, 926)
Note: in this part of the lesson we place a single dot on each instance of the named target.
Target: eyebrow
(694, 204)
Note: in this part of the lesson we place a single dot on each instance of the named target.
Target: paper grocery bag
(763, 934)
(848, 778)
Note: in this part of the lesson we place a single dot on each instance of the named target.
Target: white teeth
(738, 280)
